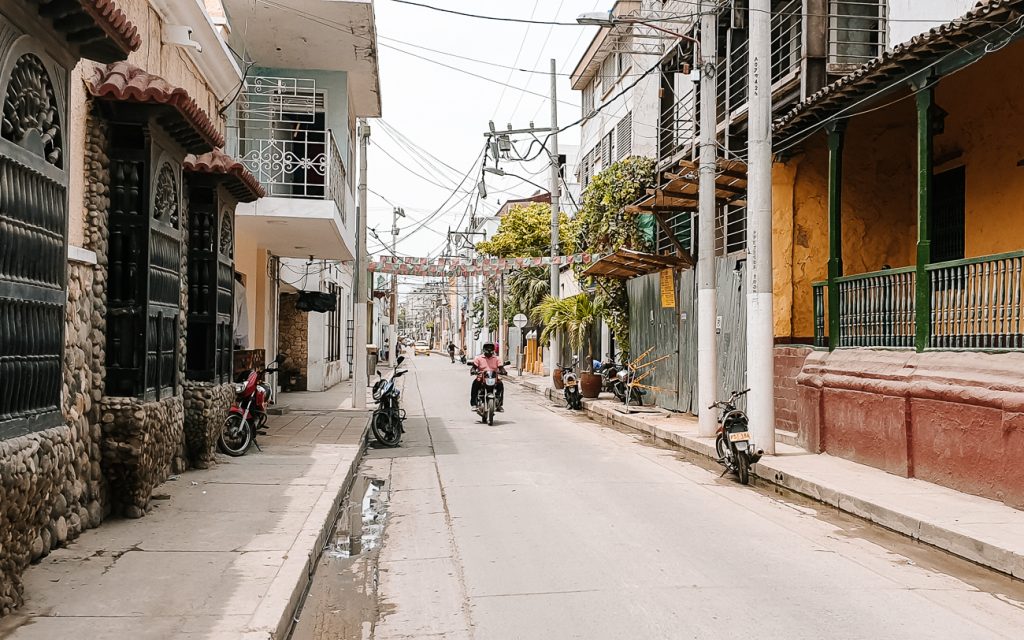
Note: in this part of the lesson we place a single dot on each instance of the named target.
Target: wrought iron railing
(820, 293)
(877, 309)
(284, 140)
(976, 303)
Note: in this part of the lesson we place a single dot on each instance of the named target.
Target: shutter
(624, 132)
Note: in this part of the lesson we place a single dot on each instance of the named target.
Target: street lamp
(502, 173)
(607, 19)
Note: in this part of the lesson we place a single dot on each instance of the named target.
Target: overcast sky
(446, 111)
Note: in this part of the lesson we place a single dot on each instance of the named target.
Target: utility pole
(487, 311)
(502, 326)
(397, 213)
(360, 379)
(555, 191)
(760, 323)
(707, 296)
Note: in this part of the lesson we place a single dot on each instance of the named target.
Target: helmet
(489, 348)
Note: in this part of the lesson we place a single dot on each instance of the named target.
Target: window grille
(33, 244)
(681, 224)
(334, 335)
(730, 230)
(856, 32)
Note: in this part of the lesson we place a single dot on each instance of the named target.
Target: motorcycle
(387, 421)
(487, 393)
(735, 451)
(571, 387)
(608, 370)
(248, 414)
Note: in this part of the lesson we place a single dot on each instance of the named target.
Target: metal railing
(877, 309)
(856, 32)
(820, 293)
(284, 141)
(976, 303)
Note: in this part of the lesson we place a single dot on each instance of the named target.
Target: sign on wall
(668, 289)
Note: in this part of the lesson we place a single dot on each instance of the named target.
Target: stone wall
(142, 445)
(788, 363)
(206, 406)
(293, 337)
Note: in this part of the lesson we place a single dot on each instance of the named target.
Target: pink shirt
(483, 363)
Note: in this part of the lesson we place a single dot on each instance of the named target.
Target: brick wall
(788, 363)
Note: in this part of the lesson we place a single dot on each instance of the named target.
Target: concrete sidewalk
(981, 530)
(225, 553)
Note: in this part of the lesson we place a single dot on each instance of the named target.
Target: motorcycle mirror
(507, 362)
(378, 373)
(280, 358)
(400, 360)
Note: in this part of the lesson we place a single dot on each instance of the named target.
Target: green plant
(573, 316)
(603, 226)
(524, 232)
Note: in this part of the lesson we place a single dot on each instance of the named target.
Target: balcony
(284, 141)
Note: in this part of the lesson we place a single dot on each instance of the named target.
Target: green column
(922, 294)
(836, 138)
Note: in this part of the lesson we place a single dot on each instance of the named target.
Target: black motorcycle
(571, 387)
(387, 421)
(735, 451)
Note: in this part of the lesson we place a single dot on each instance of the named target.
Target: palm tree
(527, 288)
(574, 316)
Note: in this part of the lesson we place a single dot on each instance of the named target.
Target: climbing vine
(603, 226)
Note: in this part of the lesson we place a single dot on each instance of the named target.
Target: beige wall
(167, 61)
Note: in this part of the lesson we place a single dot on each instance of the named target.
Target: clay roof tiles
(99, 28)
(185, 120)
(239, 180)
(978, 26)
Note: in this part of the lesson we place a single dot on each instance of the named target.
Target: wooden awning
(625, 264)
(680, 189)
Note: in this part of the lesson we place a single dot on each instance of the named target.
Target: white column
(760, 325)
(360, 380)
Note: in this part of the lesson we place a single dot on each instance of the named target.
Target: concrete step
(787, 437)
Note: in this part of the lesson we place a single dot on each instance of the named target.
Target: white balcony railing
(284, 140)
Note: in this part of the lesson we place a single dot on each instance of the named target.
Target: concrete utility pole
(555, 191)
(707, 296)
(760, 323)
(360, 378)
(397, 213)
(502, 325)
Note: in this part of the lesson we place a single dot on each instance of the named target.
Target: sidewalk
(225, 553)
(981, 530)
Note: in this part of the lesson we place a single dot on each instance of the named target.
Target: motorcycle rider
(451, 350)
(487, 361)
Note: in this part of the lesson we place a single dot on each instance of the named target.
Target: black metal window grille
(210, 284)
(334, 326)
(144, 299)
(33, 244)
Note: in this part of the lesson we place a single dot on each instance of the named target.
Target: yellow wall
(170, 62)
(982, 133)
(985, 103)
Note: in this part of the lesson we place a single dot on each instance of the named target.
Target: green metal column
(922, 297)
(836, 139)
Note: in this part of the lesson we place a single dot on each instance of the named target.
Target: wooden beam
(667, 230)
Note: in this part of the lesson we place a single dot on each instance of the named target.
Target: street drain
(361, 527)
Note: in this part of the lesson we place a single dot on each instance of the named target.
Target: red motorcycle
(248, 414)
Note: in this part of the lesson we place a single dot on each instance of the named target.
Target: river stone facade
(206, 405)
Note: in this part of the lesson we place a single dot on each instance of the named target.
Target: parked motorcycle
(387, 421)
(487, 393)
(248, 414)
(608, 370)
(735, 451)
(571, 387)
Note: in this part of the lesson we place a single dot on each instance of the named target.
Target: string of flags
(434, 267)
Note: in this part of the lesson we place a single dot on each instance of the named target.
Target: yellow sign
(668, 289)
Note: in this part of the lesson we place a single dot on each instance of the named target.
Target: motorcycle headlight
(622, 375)
(239, 387)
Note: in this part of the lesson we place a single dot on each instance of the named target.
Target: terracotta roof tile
(977, 27)
(240, 181)
(109, 17)
(185, 120)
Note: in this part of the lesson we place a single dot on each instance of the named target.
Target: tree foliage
(524, 232)
(574, 316)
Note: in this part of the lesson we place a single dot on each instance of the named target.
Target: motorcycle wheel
(236, 436)
(743, 467)
(722, 449)
(619, 390)
(387, 428)
(490, 412)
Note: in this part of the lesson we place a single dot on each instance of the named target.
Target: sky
(445, 112)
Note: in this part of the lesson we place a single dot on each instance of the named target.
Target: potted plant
(573, 316)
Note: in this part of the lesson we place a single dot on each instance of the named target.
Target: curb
(271, 620)
(1002, 556)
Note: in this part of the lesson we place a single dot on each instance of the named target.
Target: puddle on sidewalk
(342, 599)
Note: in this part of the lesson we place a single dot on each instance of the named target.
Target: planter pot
(556, 376)
(590, 384)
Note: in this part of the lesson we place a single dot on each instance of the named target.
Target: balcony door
(948, 215)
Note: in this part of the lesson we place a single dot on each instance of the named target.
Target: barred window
(334, 326)
(33, 245)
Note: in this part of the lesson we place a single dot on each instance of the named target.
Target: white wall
(931, 13)
(321, 374)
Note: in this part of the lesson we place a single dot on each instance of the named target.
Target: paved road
(550, 526)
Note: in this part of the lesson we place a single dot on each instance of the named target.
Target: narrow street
(547, 525)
